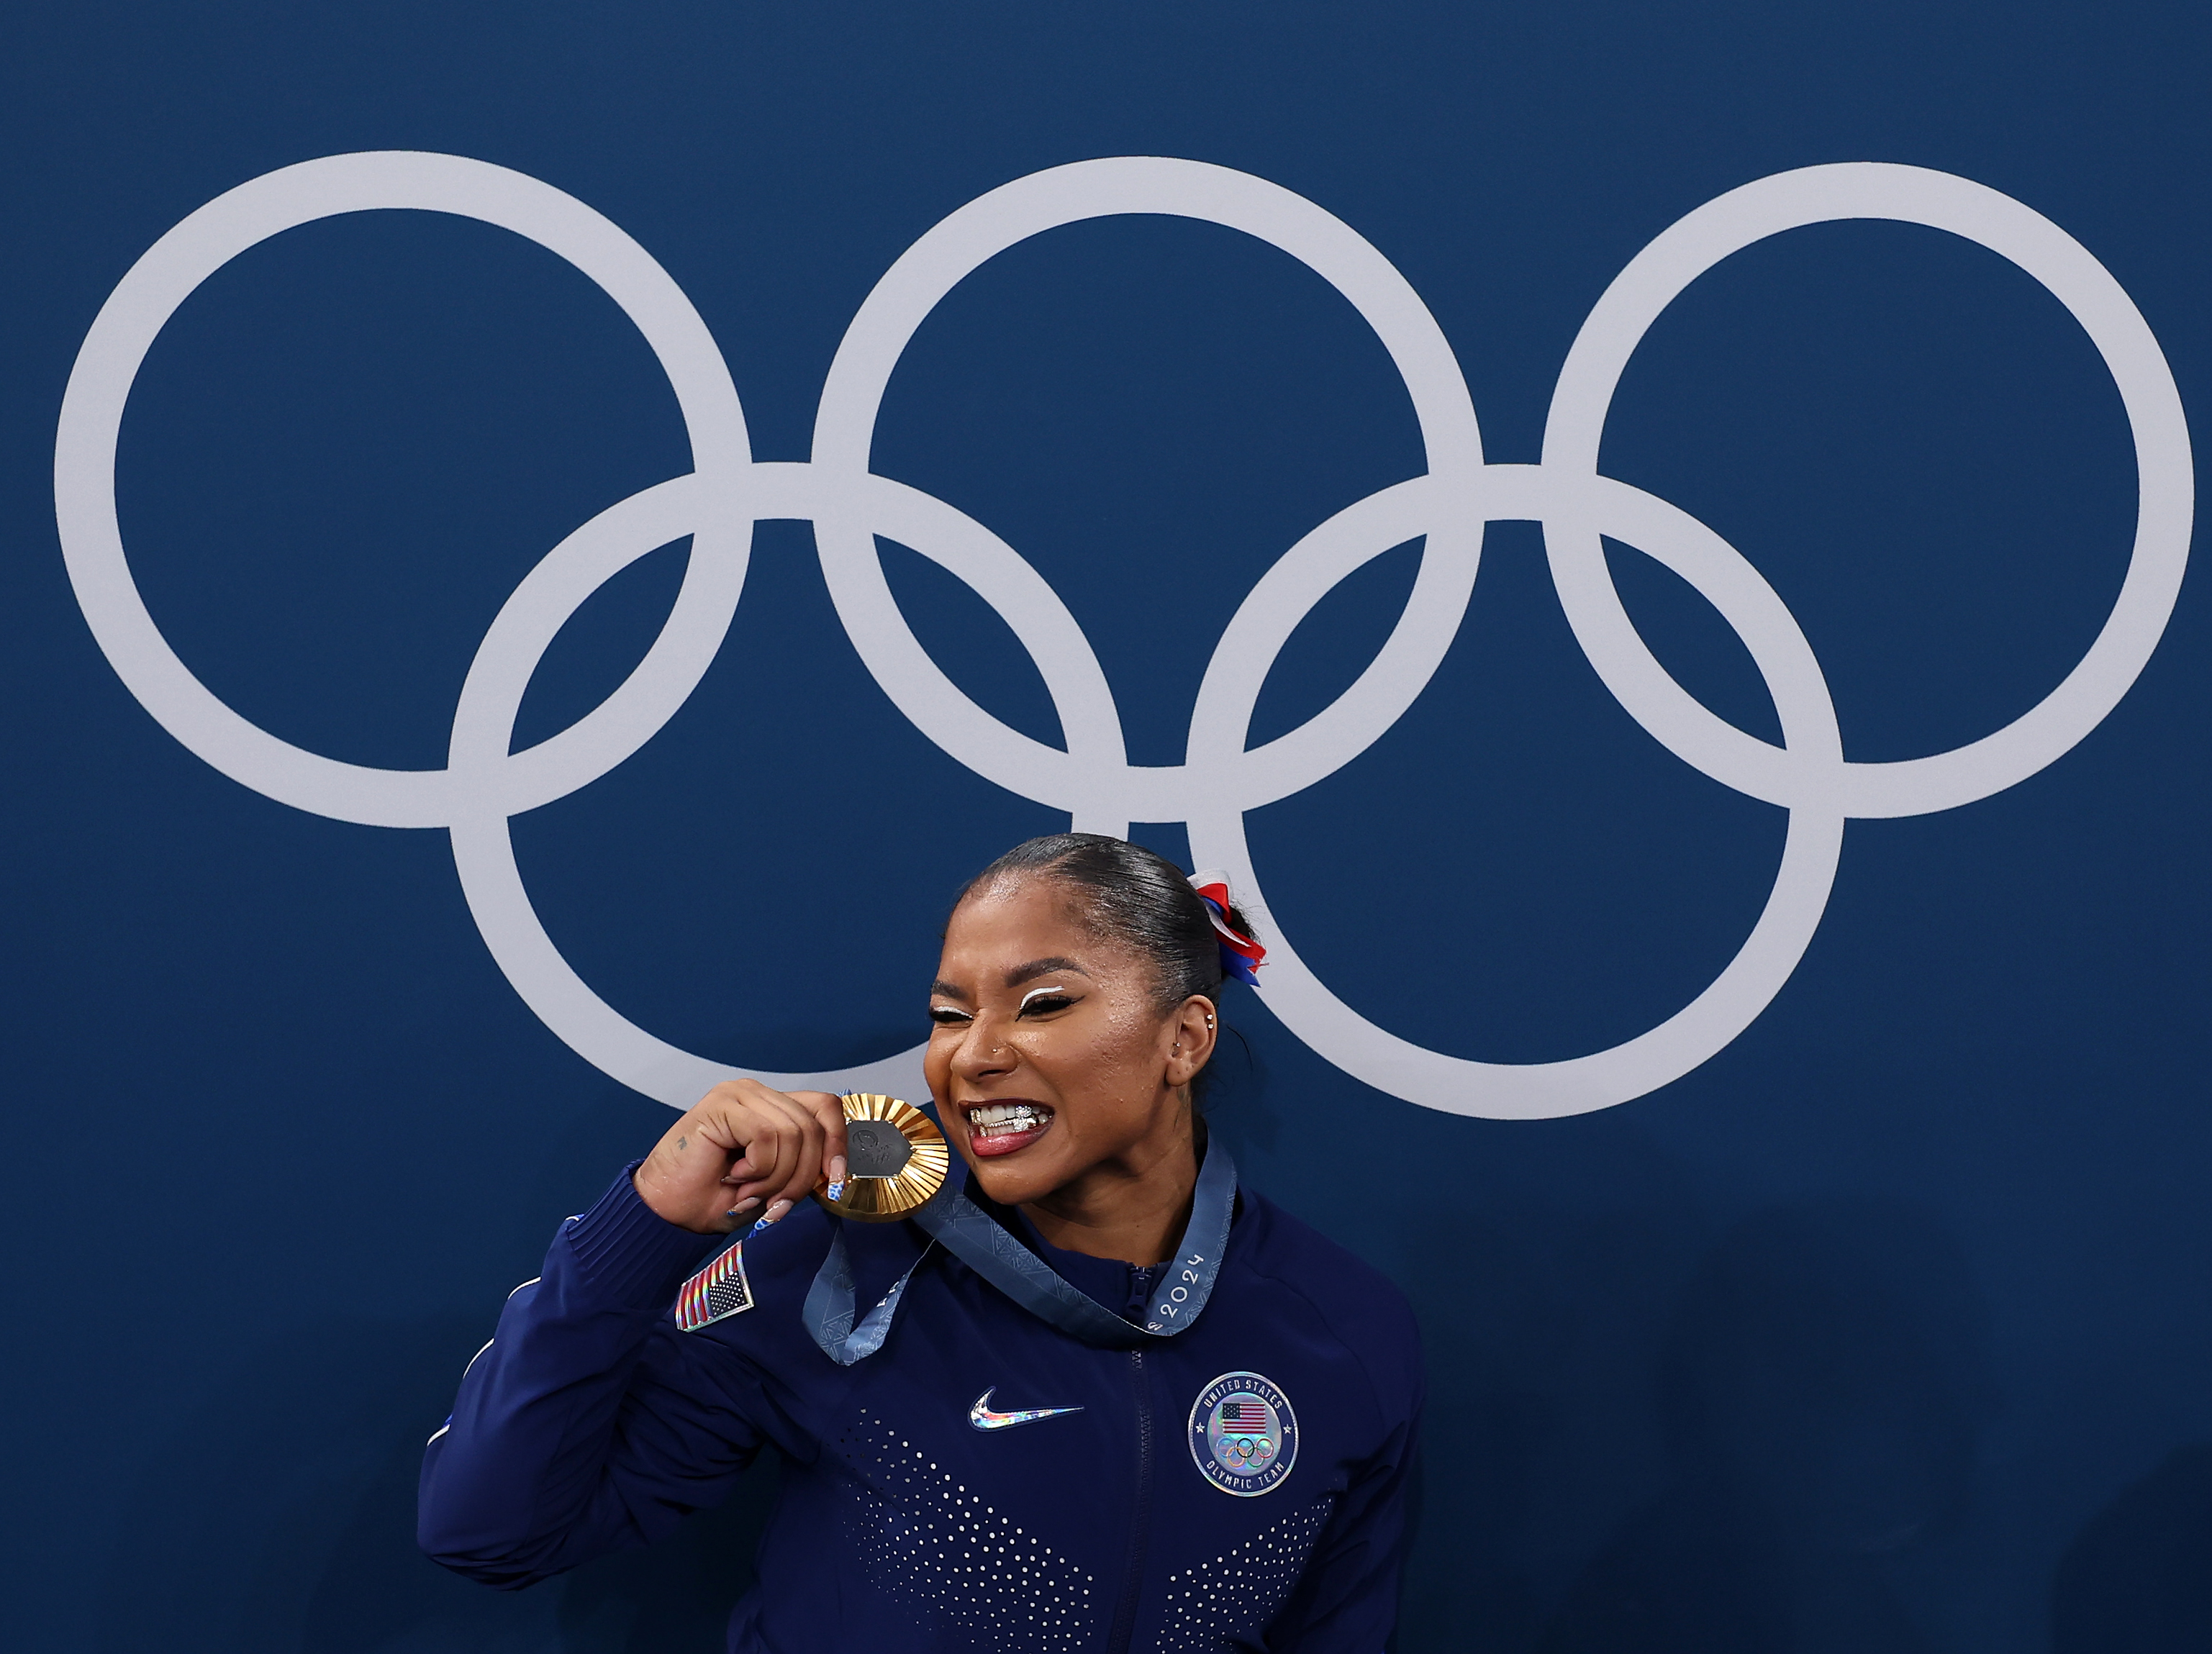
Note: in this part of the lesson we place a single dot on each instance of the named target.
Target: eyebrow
(1037, 967)
(1015, 977)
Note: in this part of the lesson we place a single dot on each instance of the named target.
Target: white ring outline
(1092, 779)
(482, 785)
(168, 272)
(2165, 469)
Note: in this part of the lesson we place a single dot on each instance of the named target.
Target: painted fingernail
(745, 1205)
(837, 1189)
(837, 1171)
(776, 1209)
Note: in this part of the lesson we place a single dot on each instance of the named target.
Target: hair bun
(1241, 954)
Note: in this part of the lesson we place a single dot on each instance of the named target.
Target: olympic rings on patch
(1238, 1452)
(482, 785)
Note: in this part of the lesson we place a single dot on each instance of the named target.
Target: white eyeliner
(1034, 992)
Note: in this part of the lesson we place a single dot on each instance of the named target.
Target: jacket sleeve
(1347, 1600)
(589, 1424)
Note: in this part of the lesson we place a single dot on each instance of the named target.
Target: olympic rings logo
(482, 784)
(1243, 1452)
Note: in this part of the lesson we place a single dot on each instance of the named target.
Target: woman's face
(1049, 1056)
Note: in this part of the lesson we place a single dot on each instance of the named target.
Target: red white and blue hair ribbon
(1240, 956)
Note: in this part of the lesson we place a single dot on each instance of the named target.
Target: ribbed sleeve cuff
(626, 1250)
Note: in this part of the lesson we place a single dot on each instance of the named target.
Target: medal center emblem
(896, 1159)
(876, 1148)
(1243, 1434)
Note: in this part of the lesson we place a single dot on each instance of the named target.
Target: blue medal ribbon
(829, 1308)
(972, 1235)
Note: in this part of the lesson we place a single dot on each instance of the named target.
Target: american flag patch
(718, 1291)
(1245, 1415)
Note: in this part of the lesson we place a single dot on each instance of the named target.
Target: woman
(988, 1457)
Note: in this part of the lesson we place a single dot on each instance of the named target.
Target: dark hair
(1125, 894)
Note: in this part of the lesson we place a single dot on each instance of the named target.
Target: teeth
(1001, 1119)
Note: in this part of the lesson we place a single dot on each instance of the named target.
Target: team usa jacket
(984, 1481)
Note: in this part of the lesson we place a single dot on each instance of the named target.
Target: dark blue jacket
(911, 1518)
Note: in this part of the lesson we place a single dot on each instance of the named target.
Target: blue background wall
(1885, 1328)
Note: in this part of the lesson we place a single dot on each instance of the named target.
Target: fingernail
(776, 1209)
(837, 1169)
(837, 1189)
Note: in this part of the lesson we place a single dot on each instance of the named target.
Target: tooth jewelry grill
(896, 1159)
(1004, 1119)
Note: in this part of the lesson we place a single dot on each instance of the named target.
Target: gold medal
(894, 1157)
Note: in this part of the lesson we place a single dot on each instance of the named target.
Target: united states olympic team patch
(720, 1289)
(1243, 1436)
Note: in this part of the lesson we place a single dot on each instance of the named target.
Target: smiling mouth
(996, 1129)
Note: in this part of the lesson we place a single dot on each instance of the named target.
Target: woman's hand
(742, 1145)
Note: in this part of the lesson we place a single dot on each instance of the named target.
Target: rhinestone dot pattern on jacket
(930, 1543)
(1211, 1608)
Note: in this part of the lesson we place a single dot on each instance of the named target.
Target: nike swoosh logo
(981, 1416)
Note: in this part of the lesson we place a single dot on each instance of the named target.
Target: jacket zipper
(1133, 1573)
